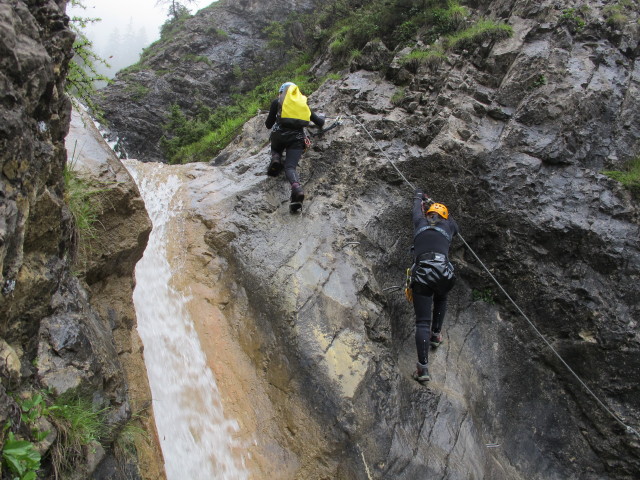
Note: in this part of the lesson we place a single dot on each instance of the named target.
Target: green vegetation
(129, 437)
(78, 425)
(21, 458)
(629, 177)
(617, 14)
(137, 91)
(77, 422)
(197, 59)
(431, 57)
(178, 14)
(202, 137)
(484, 295)
(276, 34)
(538, 81)
(343, 27)
(478, 33)
(573, 19)
(79, 195)
(398, 96)
(217, 33)
(83, 73)
(83, 197)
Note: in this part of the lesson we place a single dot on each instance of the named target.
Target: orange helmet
(440, 209)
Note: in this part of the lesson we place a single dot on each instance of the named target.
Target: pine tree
(177, 9)
(83, 69)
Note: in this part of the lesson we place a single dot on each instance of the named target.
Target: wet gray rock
(517, 158)
(50, 333)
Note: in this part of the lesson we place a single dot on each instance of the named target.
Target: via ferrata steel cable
(615, 416)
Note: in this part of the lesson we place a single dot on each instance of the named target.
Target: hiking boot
(421, 374)
(436, 339)
(275, 167)
(297, 194)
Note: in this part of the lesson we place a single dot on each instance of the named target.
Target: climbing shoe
(436, 339)
(275, 167)
(421, 374)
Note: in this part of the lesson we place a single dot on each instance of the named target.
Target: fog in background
(126, 27)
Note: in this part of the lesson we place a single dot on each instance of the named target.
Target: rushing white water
(195, 437)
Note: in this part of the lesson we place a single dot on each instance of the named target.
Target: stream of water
(196, 438)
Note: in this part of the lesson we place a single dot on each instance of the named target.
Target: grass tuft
(78, 425)
(629, 177)
(478, 33)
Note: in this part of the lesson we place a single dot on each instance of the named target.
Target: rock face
(222, 50)
(106, 264)
(512, 136)
(57, 328)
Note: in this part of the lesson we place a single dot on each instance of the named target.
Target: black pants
(291, 142)
(424, 301)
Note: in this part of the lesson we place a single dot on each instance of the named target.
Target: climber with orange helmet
(432, 275)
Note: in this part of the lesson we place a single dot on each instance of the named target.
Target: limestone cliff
(66, 317)
(512, 136)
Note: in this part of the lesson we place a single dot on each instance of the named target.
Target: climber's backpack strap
(433, 227)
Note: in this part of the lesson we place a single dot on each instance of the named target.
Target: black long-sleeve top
(431, 240)
(273, 116)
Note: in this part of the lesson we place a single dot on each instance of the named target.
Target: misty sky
(121, 13)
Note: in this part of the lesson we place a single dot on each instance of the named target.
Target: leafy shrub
(21, 458)
(276, 35)
(77, 423)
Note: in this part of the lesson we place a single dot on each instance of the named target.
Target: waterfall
(196, 438)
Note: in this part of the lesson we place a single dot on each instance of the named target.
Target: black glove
(418, 194)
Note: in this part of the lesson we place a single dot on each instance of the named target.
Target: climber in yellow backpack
(288, 115)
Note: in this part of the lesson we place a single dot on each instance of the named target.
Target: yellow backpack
(294, 111)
